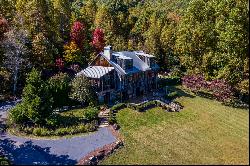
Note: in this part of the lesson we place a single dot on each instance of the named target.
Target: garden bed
(61, 124)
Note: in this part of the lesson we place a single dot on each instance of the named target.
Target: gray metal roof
(144, 54)
(138, 64)
(95, 71)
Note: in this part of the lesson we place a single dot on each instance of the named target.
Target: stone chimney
(108, 51)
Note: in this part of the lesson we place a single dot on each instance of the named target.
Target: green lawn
(74, 112)
(204, 132)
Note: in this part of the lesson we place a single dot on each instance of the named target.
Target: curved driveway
(62, 151)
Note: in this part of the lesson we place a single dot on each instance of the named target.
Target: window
(152, 62)
(142, 57)
(129, 64)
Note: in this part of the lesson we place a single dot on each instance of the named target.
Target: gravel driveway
(5, 106)
(60, 151)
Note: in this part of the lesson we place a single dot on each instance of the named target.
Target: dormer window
(114, 57)
(152, 62)
(142, 57)
(128, 64)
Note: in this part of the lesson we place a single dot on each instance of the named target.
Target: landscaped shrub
(173, 80)
(158, 104)
(54, 120)
(143, 107)
(62, 131)
(169, 81)
(131, 106)
(60, 89)
(18, 114)
(220, 89)
(27, 130)
(194, 82)
(172, 95)
(92, 126)
(112, 118)
(118, 106)
(91, 113)
(176, 73)
(40, 131)
(81, 128)
(149, 104)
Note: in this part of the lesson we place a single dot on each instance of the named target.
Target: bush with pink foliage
(220, 89)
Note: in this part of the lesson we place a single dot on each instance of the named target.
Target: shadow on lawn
(181, 92)
(30, 154)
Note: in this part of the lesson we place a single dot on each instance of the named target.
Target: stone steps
(104, 123)
(104, 115)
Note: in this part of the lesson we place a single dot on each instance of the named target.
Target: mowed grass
(74, 112)
(204, 132)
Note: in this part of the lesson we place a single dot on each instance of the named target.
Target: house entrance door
(138, 93)
(107, 97)
(124, 96)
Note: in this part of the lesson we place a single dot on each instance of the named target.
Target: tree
(62, 15)
(15, 49)
(77, 34)
(72, 53)
(59, 88)
(7, 9)
(104, 21)
(169, 59)
(36, 105)
(232, 25)
(152, 36)
(98, 41)
(196, 36)
(88, 11)
(4, 27)
(82, 91)
(42, 51)
(37, 15)
(213, 39)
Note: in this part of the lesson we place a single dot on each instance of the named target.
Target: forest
(197, 40)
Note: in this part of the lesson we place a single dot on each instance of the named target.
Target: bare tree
(14, 49)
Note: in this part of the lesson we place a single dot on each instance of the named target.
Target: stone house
(118, 76)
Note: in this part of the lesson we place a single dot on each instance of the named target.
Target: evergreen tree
(36, 105)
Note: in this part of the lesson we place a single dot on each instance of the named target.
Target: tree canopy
(193, 36)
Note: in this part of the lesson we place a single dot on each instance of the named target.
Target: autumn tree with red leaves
(98, 41)
(77, 34)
